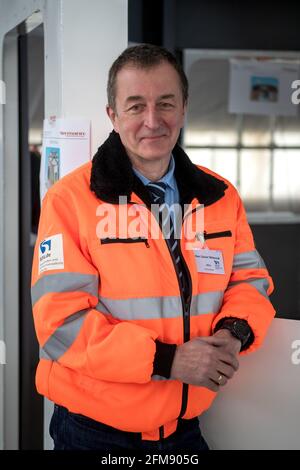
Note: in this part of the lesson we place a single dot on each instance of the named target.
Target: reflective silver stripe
(141, 308)
(64, 282)
(262, 285)
(44, 355)
(248, 260)
(210, 302)
(147, 308)
(61, 340)
(102, 308)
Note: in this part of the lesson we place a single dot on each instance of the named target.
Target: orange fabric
(106, 372)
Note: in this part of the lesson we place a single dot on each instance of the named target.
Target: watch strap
(233, 324)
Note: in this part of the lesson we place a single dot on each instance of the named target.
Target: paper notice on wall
(66, 146)
(262, 87)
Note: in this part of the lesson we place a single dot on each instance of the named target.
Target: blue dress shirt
(172, 198)
(172, 193)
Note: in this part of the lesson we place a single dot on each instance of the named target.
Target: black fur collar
(112, 176)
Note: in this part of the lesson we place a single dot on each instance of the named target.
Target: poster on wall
(262, 87)
(66, 146)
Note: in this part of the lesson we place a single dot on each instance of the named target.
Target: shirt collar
(168, 178)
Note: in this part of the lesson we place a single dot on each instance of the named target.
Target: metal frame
(31, 404)
(13, 13)
(10, 282)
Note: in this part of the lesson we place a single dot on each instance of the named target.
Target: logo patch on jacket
(51, 253)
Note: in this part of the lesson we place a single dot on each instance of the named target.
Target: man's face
(149, 111)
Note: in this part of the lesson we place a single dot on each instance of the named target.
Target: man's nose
(151, 118)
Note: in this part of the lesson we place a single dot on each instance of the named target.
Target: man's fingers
(230, 359)
(213, 340)
(219, 379)
(212, 385)
(223, 354)
(225, 369)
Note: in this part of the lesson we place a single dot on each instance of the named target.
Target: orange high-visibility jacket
(105, 302)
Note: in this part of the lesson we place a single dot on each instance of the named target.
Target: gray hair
(143, 56)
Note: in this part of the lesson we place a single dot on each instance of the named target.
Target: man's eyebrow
(132, 98)
(167, 97)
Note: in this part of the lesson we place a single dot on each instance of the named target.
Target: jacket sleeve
(65, 287)
(249, 287)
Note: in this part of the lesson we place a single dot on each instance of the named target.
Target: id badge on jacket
(209, 261)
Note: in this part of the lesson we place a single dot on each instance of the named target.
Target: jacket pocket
(224, 233)
(106, 241)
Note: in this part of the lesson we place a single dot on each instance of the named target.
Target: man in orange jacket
(141, 321)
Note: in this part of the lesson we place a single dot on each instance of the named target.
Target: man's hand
(232, 344)
(202, 361)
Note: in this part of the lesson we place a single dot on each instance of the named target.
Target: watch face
(242, 330)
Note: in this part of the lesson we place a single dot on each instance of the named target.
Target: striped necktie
(158, 191)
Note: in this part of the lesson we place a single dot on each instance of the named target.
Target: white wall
(88, 36)
(260, 407)
(81, 41)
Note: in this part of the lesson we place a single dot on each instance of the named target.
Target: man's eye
(136, 108)
(165, 105)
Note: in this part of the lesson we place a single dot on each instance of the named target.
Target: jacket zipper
(186, 317)
(106, 241)
(186, 320)
(186, 307)
(186, 326)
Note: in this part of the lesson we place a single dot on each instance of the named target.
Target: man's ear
(183, 113)
(112, 116)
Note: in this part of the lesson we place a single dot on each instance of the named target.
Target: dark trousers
(72, 431)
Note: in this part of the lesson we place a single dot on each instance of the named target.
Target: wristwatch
(239, 328)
